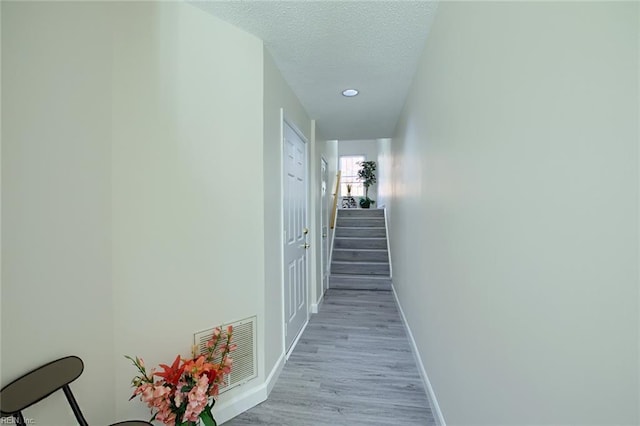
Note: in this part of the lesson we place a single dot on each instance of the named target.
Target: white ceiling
(324, 47)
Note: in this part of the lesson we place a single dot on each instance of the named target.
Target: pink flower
(198, 399)
(149, 393)
(215, 389)
(166, 416)
(179, 396)
(145, 391)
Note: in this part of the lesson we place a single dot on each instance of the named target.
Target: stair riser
(361, 232)
(355, 279)
(360, 213)
(360, 243)
(360, 223)
(360, 269)
(361, 256)
(371, 285)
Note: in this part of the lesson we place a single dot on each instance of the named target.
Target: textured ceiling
(324, 47)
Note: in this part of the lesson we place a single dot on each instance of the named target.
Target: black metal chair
(38, 384)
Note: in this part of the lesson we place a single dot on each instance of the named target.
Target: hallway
(142, 169)
(352, 366)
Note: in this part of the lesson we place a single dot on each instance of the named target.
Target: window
(349, 166)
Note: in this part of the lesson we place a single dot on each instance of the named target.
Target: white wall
(277, 95)
(368, 148)
(134, 135)
(188, 213)
(514, 231)
(57, 297)
(385, 182)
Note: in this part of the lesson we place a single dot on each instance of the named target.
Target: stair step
(359, 222)
(361, 213)
(344, 231)
(366, 255)
(360, 260)
(360, 282)
(360, 268)
(359, 243)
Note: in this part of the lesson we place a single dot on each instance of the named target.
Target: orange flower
(171, 374)
(196, 368)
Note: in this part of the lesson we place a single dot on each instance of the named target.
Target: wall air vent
(244, 358)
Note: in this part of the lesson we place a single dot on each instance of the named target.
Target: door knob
(305, 231)
(305, 245)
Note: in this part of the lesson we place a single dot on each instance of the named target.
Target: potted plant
(368, 177)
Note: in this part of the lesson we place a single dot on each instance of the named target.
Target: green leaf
(207, 417)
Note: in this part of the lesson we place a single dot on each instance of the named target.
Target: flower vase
(206, 417)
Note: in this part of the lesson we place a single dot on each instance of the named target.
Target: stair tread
(359, 249)
(359, 262)
(363, 224)
(361, 227)
(359, 212)
(361, 238)
(356, 276)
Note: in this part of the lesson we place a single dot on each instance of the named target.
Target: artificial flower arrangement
(186, 390)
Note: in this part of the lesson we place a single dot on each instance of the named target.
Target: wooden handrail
(334, 211)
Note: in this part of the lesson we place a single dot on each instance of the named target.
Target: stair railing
(336, 194)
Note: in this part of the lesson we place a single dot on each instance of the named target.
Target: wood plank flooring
(353, 366)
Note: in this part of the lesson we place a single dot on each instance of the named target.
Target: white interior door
(324, 220)
(295, 234)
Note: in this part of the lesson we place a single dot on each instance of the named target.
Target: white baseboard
(295, 341)
(237, 405)
(224, 411)
(275, 374)
(315, 306)
(386, 229)
(435, 408)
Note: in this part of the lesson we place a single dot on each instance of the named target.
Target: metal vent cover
(244, 357)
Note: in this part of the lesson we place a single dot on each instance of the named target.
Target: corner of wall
(433, 400)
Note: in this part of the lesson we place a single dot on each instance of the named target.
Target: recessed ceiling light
(349, 93)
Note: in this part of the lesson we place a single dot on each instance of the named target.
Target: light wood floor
(352, 366)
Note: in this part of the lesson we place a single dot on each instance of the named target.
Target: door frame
(324, 267)
(307, 174)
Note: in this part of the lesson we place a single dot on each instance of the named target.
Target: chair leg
(74, 406)
(19, 419)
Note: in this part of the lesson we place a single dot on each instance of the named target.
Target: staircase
(360, 259)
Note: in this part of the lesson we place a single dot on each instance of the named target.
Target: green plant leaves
(366, 173)
(207, 417)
